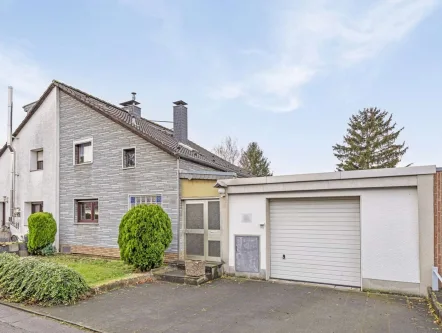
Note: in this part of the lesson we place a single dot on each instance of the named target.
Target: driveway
(248, 306)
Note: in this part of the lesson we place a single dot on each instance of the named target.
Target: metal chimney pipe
(12, 150)
(9, 116)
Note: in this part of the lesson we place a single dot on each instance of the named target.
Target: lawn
(95, 271)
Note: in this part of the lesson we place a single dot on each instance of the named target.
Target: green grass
(95, 271)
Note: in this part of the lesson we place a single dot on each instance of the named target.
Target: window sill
(85, 163)
(128, 168)
(35, 170)
(86, 223)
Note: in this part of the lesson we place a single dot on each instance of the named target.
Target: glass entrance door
(202, 230)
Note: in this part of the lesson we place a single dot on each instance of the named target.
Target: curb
(135, 280)
(41, 314)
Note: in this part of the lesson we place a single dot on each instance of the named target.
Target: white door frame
(209, 235)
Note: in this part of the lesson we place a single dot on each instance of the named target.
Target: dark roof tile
(158, 135)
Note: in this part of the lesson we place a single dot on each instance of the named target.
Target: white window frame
(42, 153)
(79, 142)
(129, 205)
(33, 159)
(122, 158)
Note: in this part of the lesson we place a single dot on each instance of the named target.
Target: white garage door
(316, 240)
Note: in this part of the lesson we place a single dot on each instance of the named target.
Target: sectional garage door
(316, 240)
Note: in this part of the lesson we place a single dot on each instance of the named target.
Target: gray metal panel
(316, 240)
(247, 254)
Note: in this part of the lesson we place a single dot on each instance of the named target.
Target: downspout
(12, 150)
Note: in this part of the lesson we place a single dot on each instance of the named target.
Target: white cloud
(323, 35)
(26, 76)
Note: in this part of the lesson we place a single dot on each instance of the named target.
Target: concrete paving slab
(247, 306)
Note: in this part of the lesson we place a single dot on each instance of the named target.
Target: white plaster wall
(389, 228)
(40, 185)
(5, 164)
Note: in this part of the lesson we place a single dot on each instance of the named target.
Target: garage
(316, 240)
(369, 229)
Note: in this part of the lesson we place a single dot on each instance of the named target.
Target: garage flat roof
(337, 175)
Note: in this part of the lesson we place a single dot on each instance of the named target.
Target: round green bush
(42, 230)
(32, 280)
(145, 233)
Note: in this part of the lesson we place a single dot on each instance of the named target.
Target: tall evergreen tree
(253, 160)
(370, 142)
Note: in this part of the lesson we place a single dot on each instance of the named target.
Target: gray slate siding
(191, 166)
(155, 173)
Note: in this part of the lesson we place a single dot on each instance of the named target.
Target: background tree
(370, 142)
(228, 150)
(253, 160)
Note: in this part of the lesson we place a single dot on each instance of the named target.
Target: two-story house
(88, 161)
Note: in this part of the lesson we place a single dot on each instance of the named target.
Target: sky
(286, 74)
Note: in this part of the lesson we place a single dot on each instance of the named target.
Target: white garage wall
(390, 235)
(389, 229)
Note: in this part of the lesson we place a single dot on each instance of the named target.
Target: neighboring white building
(36, 146)
(372, 229)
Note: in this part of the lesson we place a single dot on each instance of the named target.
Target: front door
(202, 230)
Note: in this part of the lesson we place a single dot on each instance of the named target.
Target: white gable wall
(40, 132)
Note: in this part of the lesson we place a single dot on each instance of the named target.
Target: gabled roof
(158, 135)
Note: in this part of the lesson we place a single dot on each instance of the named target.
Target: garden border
(141, 278)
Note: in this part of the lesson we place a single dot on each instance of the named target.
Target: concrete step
(214, 270)
(176, 273)
(179, 276)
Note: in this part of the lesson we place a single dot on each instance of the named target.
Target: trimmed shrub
(33, 280)
(145, 233)
(42, 230)
(48, 250)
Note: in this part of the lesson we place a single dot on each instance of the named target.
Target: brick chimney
(132, 106)
(180, 121)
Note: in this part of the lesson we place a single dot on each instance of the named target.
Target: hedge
(42, 230)
(32, 280)
(145, 233)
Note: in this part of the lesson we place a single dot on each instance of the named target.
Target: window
(87, 211)
(83, 151)
(36, 159)
(135, 200)
(40, 160)
(128, 158)
(36, 207)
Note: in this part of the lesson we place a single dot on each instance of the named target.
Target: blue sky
(287, 74)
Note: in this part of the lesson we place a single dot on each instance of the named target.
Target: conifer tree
(253, 160)
(370, 142)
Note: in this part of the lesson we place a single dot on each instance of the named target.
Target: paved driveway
(248, 306)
